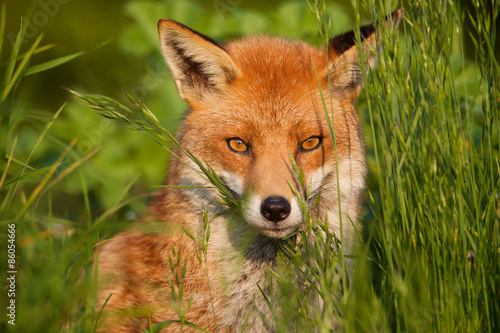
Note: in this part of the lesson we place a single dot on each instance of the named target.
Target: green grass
(430, 260)
(438, 197)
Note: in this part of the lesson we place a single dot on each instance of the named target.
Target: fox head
(256, 102)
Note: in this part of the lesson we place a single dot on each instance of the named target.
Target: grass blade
(60, 61)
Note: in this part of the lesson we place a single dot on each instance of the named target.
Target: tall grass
(54, 285)
(435, 124)
(430, 259)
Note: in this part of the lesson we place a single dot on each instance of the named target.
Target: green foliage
(53, 265)
(436, 211)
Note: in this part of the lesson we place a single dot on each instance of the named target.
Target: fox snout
(275, 209)
(273, 216)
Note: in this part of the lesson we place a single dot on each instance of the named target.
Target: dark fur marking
(193, 69)
(345, 41)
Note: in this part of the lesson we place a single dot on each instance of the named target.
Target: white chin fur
(281, 229)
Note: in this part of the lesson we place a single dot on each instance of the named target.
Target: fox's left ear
(200, 66)
(344, 60)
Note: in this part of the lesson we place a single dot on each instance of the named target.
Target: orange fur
(264, 92)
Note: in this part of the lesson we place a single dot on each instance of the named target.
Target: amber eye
(311, 143)
(237, 145)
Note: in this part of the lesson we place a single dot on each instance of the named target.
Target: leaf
(12, 81)
(60, 61)
(28, 175)
(19, 38)
(39, 49)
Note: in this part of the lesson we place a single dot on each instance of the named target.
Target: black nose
(275, 208)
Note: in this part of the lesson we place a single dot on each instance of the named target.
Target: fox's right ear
(345, 70)
(200, 66)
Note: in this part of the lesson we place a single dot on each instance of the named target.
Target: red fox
(253, 104)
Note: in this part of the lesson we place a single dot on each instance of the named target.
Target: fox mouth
(277, 233)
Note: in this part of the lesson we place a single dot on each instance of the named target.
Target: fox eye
(237, 145)
(311, 143)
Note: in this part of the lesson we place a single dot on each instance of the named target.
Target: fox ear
(343, 56)
(199, 65)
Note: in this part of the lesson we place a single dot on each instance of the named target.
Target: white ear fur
(345, 71)
(199, 65)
